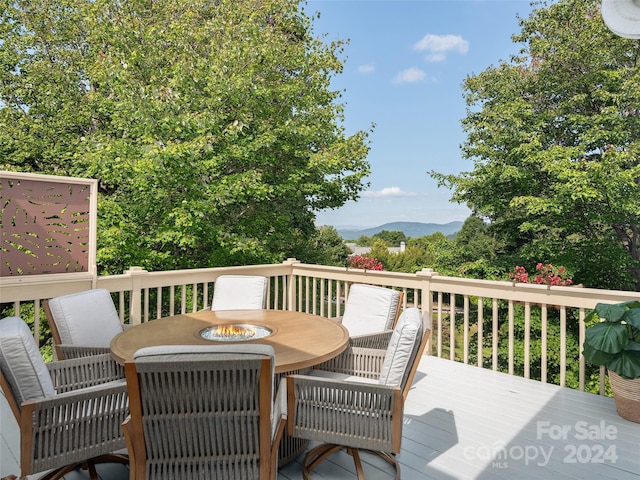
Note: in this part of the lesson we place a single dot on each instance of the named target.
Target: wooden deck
(463, 422)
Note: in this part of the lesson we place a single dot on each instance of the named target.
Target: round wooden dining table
(300, 340)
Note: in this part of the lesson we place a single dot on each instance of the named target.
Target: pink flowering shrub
(365, 263)
(545, 275)
(520, 275)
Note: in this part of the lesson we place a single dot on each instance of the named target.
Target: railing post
(135, 299)
(426, 300)
(291, 286)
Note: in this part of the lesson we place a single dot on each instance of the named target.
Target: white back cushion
(22, 363)
(239, 292)
(402, 348)
(86, 318)
(370, 309)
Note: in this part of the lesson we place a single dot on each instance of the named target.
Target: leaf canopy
(554, 137)
(211, 126)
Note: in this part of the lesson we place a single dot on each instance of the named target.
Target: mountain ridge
(410, 229)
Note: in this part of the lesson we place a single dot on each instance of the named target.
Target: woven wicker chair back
(203, 414)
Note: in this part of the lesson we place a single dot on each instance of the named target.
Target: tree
(474, 241)
(392, 238)
(554, 135)
(326, 247)
(210, 125)
(477, 252)
(364, 241)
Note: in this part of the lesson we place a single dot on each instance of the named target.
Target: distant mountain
(410, 229)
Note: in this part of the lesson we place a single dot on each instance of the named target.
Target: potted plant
(614, 341)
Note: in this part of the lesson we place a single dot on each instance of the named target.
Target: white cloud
(410, 75)
(366, 69)
(435, 57)
(388, 192)
(438, 45)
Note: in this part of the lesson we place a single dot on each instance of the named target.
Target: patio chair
(204, 412)
(370, 314)
(356, 401)
(82, 323)
(68, 412)
(239, 292)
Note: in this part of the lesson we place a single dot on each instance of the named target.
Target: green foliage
(364, 241)
(391, 238)
(211, 126)
(555, 136)
(615, 340)
(325, 247)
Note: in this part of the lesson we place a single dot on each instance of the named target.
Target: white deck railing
(465, 312)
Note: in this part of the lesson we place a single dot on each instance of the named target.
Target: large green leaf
(626, 364)
(610, 312)
(608, 337)
(632, 317)
(595, 356)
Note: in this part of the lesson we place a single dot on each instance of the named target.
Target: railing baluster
(527, 340)
(194, 297)
(36, 321)
(145, 314)
(563, 346)
(543, 343)
(480, 332)
(452, 326)
(159, 303)
(511, 338)
(494, 335)
(465, 336)
(121, 307)
(439, 324)
(581, 360)
(172, 300)
(306, 296)
(183, 299)
(315, 295)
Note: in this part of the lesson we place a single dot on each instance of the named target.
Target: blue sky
(405, 65)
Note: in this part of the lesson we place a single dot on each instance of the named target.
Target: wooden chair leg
(315, 456)
(89, 465)
(59, 473)
(356, 460)
(320, 453)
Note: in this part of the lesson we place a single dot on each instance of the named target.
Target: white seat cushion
(370, 309)
(86, 318)
(22, 363)
(239, 292)
(402, 348)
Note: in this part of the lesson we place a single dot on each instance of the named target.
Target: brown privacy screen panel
(45, 227)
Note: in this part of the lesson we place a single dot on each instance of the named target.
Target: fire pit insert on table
(239, 332)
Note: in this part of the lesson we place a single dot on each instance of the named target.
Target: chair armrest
(351, 414)
(75, 425)
(379, 340)
(362, 362)
(77, 373)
